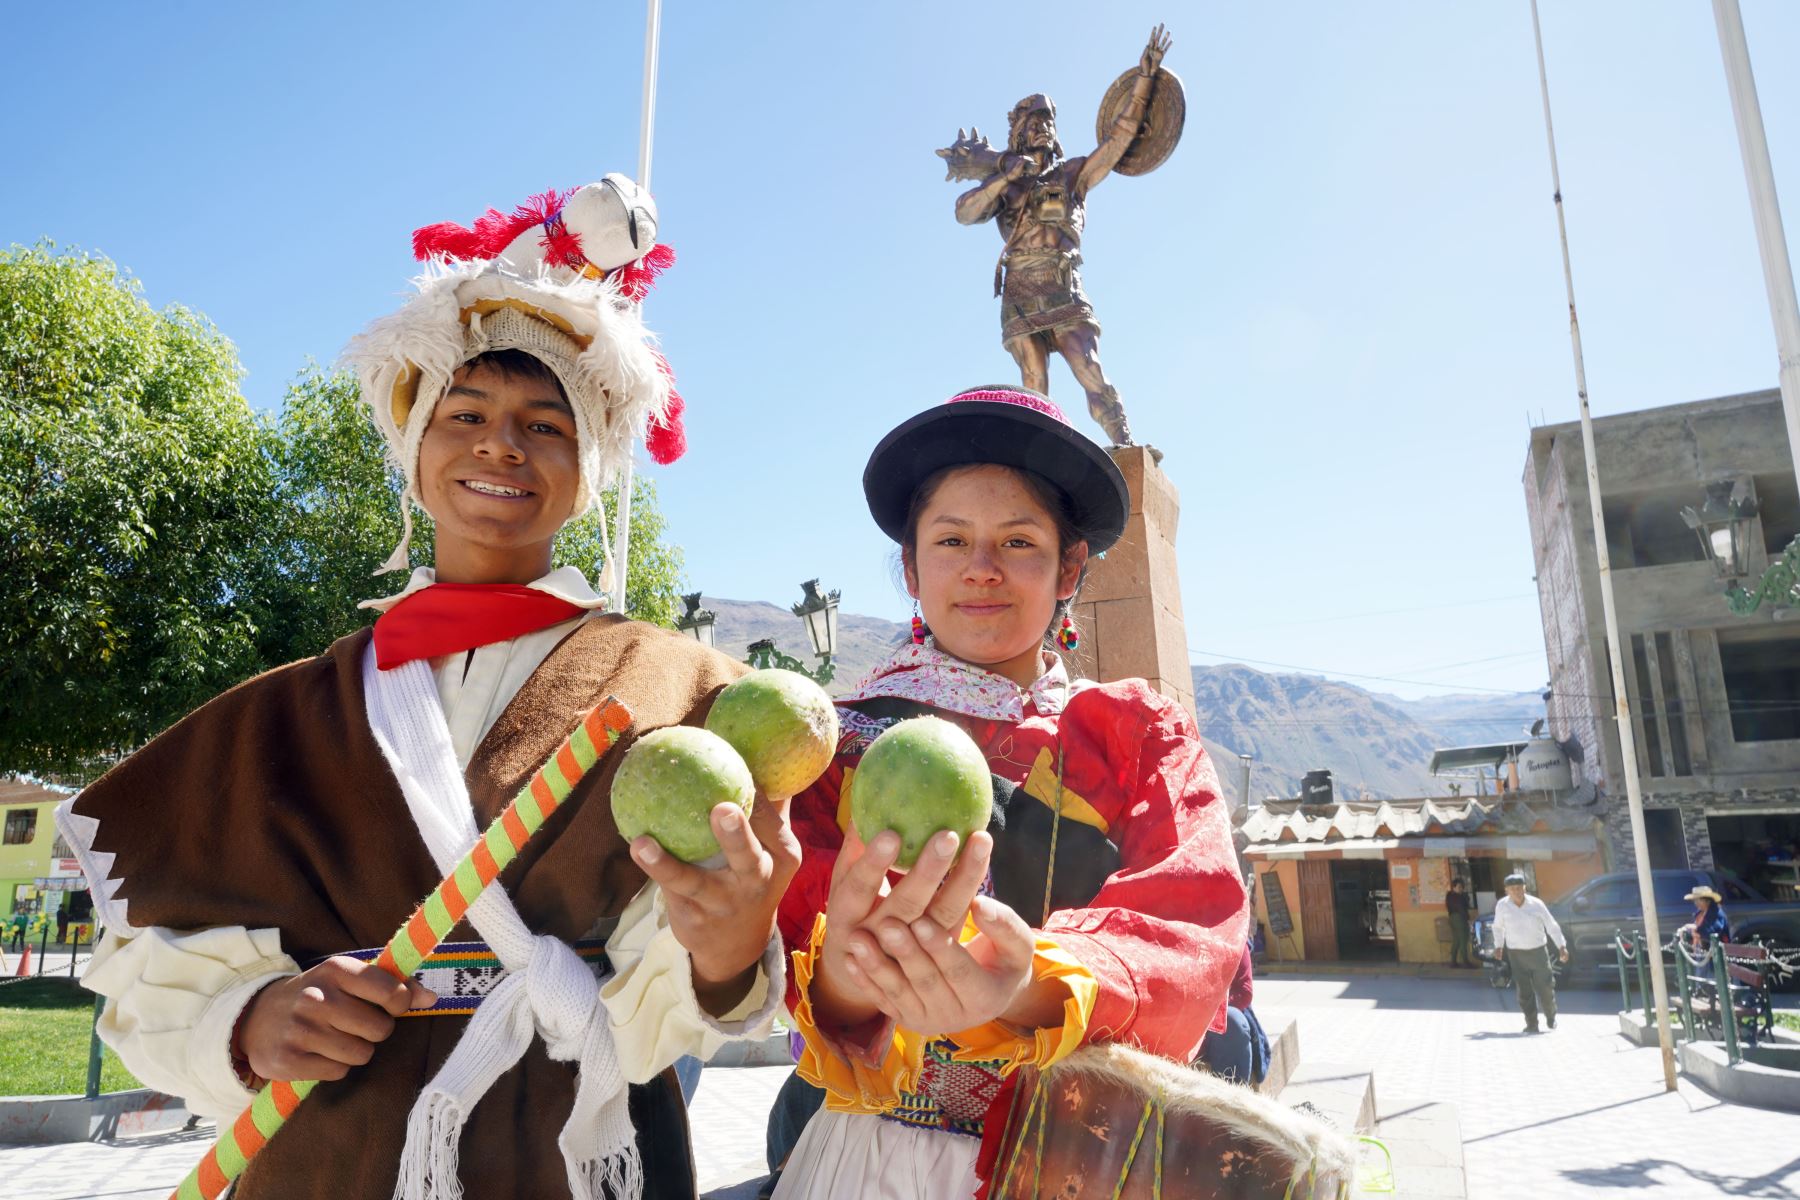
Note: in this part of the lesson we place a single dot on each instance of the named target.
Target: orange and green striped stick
(429, 925)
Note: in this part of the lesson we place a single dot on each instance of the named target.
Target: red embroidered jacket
(1165, 931)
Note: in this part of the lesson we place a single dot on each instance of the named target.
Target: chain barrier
(61, 972)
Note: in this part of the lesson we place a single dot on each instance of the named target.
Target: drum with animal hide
(1113, 1123)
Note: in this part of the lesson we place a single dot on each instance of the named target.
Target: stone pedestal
(1129, 611)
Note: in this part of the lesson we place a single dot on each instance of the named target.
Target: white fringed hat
(529, 282)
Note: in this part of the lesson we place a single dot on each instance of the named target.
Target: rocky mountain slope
(1374, 744)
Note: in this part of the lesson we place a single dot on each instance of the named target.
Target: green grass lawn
(1790, 1019)
(44, 1028)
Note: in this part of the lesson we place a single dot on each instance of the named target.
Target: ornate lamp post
(696, 622)
(820, 612)
(1723, 526)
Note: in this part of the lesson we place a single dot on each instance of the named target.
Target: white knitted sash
(548, 991)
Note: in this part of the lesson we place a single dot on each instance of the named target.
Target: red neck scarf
(447, 617)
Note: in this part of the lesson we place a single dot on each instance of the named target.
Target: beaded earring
(918, 627)
(1068, 637)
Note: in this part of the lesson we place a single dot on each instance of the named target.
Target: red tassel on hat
(667, 436)
(637, 278)
(494, 231)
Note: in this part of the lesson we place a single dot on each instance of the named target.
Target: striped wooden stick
(429, 925)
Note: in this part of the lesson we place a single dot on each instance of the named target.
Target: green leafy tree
(337, 517)
(130, 467)
(159, 542)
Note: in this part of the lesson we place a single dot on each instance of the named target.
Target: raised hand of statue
(1160, 41)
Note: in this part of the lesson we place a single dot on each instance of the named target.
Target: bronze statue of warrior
(1039, 200)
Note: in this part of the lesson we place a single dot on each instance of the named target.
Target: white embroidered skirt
(856, 1156)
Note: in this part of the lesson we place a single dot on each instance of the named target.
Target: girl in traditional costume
(920, 997)
(247, 862)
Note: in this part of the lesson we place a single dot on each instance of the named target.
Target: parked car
(1591, 913)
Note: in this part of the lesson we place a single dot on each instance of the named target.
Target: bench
(1748, 969)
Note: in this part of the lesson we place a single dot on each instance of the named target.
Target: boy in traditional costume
(241, 861)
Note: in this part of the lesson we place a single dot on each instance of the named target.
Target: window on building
(1645, 529)
(21, 826)
(1780, 504)
(1762, 683)
(1663, 835)
(60, 848)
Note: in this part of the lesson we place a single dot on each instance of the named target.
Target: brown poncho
(272, 807)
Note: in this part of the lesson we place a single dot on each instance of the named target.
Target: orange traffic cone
(24, 963)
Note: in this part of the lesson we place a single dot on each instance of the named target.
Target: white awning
(1531, 847)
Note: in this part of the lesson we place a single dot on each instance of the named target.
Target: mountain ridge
(1375, 744)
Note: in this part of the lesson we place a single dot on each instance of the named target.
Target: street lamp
(820, 612)
(696, 622)
(1723, 526)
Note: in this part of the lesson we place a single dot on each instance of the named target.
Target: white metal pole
(1628, 765)
(1759, 173)
(646, 135)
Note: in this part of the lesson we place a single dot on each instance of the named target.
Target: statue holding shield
(1038, 199)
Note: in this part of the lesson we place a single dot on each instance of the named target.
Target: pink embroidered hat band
(1003, 425)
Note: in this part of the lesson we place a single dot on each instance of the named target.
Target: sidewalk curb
(771, 1051)
(43, 1120)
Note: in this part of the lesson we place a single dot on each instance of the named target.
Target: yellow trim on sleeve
(849, 1086)
(1015, 1048)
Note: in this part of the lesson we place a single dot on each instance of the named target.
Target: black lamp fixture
(820, 612)
(1722, 524)
(696, 622)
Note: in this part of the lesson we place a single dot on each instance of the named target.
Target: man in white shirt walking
(1523, 929)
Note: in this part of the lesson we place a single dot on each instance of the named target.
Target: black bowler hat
(1001, 426)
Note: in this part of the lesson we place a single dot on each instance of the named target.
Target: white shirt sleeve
(656, 1017)
(1550, 925)
(172, 1001)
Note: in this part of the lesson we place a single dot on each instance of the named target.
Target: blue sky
(1336, 308)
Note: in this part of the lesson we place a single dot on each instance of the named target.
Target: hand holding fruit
(928, 980)
(939, 882)
(684, 796)
(723, 915)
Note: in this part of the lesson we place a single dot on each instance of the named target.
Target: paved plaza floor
(1577, 1112)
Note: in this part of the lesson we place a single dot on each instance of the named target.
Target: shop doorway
(1318, 928)
(1364, 910)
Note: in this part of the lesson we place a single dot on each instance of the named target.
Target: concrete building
(1716, 697)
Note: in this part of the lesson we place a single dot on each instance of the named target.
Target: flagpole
(1651, 943)
(1771, 242)
(646, 135)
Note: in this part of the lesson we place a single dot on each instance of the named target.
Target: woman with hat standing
(1709, 923)
(918, 996)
